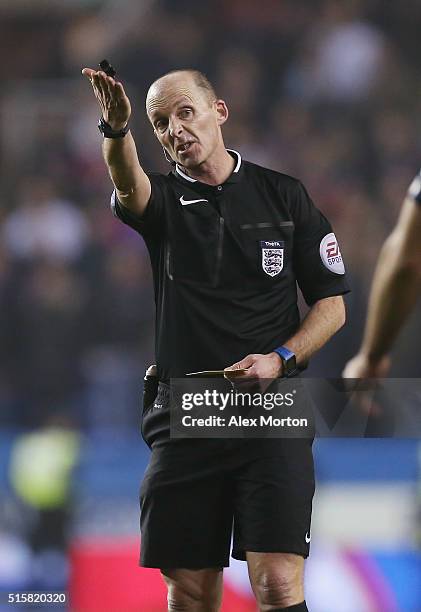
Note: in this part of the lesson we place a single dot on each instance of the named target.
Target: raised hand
(112, 99)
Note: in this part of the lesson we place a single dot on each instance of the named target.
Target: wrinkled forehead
(168, 93)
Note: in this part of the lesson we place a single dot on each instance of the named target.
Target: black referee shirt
(226, 261)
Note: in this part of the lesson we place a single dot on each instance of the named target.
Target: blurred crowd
(324, 90)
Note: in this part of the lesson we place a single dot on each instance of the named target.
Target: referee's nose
(175, 128)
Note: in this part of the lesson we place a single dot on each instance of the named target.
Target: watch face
(290, 363)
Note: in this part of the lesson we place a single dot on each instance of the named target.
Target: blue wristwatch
(289, 361)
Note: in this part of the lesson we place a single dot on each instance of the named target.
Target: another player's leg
(277, 581)
(193, 590)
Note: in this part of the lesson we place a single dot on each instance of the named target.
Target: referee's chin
(187, 163)
(192, 159)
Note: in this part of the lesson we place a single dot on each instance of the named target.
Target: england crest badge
(272, 256)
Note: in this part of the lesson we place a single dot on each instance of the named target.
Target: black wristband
(108, 132)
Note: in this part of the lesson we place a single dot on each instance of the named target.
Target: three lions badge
(272, 256)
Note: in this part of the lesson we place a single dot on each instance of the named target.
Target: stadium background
(326, 91)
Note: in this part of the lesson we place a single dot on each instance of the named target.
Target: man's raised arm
(132, 185)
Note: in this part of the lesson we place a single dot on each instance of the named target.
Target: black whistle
(107, 68)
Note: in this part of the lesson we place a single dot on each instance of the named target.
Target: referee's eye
(185, 113)
(161, 126)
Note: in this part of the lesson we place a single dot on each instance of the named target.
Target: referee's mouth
(184, 147)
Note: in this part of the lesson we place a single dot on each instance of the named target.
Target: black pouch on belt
(150, 386)
(155, 422)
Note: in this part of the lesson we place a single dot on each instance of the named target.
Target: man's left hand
(361, 366)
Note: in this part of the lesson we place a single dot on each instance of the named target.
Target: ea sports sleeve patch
(330, 254)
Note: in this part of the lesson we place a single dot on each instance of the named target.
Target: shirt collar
(233, 178)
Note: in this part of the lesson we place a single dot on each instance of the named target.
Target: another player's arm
(132, 185)
(322, 321)
(395, 289)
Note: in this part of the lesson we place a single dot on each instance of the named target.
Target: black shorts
(198, 494)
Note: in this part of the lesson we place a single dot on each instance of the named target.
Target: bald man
(228, 242)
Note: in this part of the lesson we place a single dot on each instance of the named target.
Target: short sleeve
(318, 263)
(152, 219)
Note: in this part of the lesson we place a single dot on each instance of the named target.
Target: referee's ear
(222, 112)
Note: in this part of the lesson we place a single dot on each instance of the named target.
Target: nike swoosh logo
(185, 202)
(308, 538)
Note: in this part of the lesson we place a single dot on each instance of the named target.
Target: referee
(228, 242)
